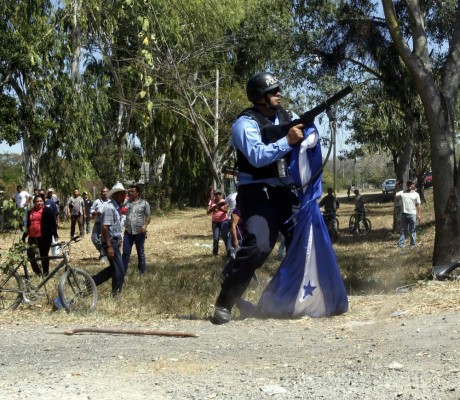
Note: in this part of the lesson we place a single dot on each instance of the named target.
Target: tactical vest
(267, 171)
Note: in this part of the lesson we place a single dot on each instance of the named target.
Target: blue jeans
(219, 230)
(128, 241)
(115, 270)
(96, 238)
(408, 223)
(88, 225)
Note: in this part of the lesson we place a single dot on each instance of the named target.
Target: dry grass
(183, 277)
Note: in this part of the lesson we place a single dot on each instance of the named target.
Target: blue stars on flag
(308, 290)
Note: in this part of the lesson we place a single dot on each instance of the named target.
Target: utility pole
(333, 126)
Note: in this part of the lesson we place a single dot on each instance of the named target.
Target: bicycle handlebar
(64, 243)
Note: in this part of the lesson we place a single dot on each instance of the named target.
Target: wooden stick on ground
(128, 332)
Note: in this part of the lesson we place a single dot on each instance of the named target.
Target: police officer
(264, 189)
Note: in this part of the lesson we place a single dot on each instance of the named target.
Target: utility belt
(269, 191)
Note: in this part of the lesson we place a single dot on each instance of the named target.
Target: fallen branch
(129, 332)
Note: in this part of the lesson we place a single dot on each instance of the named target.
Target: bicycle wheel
(11, 289)
(77, 291)
(351, 223)
(364, 226)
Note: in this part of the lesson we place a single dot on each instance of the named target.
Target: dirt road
(395, 358)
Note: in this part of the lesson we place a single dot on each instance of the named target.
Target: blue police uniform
(266, 199)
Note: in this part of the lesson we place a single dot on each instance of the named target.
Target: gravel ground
(396, 358)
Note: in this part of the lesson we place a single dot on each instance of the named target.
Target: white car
(388, 185)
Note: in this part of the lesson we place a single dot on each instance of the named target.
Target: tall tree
(416, 22)
(26, 75)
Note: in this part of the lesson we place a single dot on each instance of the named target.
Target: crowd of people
(114, 211)
(249, 221)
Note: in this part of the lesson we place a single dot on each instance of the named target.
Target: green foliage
(10, 170)
(17, 254)
(12, 216)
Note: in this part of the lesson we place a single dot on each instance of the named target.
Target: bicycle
(77, 291)
(332, 224)
(364, 225)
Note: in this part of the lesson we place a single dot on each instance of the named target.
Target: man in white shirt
(22, 200)
(411, 212)
(21, 197)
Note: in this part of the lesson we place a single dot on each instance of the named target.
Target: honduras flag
(308, 282)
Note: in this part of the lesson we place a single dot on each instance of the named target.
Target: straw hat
(118, 187)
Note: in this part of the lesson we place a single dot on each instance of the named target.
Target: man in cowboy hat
(111, 240)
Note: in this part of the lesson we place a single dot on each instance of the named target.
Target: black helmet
(259, 84)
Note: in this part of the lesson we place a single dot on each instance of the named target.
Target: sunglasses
(274, 91)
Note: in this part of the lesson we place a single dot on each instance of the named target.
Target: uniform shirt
(98, 206)
(21, 198)
(112, 218)
(246, 137)
(136, 214)
(409, 201)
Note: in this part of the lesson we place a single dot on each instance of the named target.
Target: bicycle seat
(441, 272)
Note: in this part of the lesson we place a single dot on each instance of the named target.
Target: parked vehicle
(428, 180)
(388, 185)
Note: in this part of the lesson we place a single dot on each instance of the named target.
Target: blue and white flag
(308, 282)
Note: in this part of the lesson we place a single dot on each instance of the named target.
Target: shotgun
(274, 132)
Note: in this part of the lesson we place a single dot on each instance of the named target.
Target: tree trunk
(120, 135)
(445, 192)
(32, 154)
(439, 102)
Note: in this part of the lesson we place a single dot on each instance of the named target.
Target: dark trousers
(43, 248)
(128, 241)
(115, 270)
(73, 220)
(264, 214)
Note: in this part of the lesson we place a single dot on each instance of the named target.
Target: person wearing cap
(96, 212)
(218, 208)
(76, 210)
(264, 185)
(111, 240)
(87, 220)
